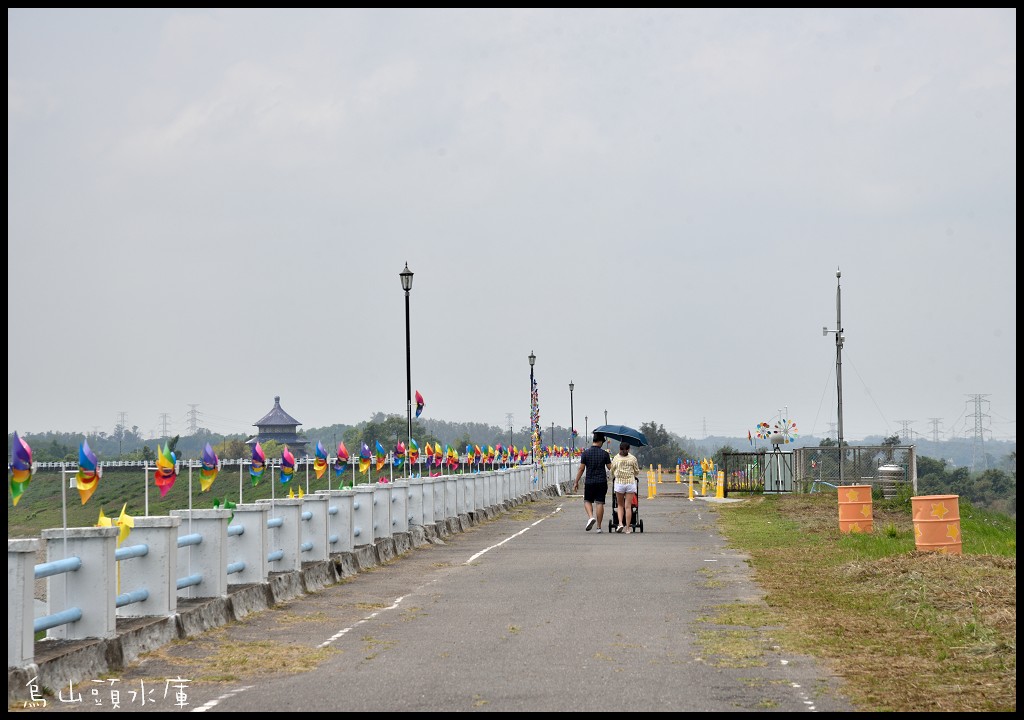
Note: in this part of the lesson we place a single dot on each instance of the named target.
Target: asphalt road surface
(525, 612)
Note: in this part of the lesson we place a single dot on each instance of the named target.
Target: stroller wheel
(641, 526)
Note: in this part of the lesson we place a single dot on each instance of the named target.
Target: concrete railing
(197, 554)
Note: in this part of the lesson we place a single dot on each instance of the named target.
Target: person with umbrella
(625, 471)
(596, 461)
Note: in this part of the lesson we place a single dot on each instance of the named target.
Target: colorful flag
(88, 475)
(419, 403)
(259, 464)
(21, 468)
(211, 466)
(287, 465)
(166, 471)
(320, 460)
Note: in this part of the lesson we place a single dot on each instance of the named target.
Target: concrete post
(399, 506)
(21, 561)
(480, 492)
(469, 490)
(439, 502)
(156, 571)
(284, 538)
(250, 547)
(428, 501)
(381, 511)
(362, 516)
(450, 496)
(492, 496)
(208, 559)
(92, 588)
(339, 522)
(313, 535)
(415, 502)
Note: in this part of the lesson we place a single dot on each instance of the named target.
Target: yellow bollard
(691, 485)
(659, 473)
(679, 478)
(720, 490)
(652, 489)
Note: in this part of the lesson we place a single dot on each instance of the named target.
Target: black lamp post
(572, 431)
(532, 358)
(406, 277)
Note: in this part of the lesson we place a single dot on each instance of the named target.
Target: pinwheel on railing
(21, 467)
(382, 455)
(341, 463)
(88, 475)
(398, 457)
(258, 465)
(211, 466)
(320, 460)
(364, 458)
(166, 469)
(287, 465)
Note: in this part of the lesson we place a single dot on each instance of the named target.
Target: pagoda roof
(277, 416)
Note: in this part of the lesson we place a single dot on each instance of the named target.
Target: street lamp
(572, 431)
(532, 358)
(406, 277)
(839, 368)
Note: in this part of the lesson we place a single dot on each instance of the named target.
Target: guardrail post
(339, 519)
(362, 516)
(21, 560)
(492, 487)
(428, 500)
(209, 558)
(314, 528)
(440, 489)
(92, 588)
(468, 483)
(251, 545)
(399, 506)
(381, 511)
(157, 571)
(504, 484)
(451, 484)
(285, 538)
(479, 492)
(415, 502)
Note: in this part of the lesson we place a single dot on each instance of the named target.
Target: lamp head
(571, 386)
(406, 276)
(532, 358)
(824, 330)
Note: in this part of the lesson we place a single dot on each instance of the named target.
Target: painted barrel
(937, 523)
(855, 509)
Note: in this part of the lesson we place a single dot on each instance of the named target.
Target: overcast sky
(209, 208)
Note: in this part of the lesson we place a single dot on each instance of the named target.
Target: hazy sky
(211, 207)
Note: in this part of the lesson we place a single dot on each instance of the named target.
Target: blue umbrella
(623, 433)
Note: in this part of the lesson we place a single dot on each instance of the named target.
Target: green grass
(908, 630)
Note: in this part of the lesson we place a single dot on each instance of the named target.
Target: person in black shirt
(596, 461)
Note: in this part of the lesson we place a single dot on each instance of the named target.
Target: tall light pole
(532, 358)
(406, 277)
(572, 432)
(605, 417)
(586, 427)
(839, 367)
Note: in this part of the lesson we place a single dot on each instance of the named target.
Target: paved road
(526, 612)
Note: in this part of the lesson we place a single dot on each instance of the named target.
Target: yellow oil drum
(855, 509)
(937, 523)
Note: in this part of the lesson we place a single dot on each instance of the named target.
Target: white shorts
(622, 488)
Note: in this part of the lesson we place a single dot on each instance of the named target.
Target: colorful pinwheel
(287, 465)
(259, 464)
(21, 468)
(784, 431)
(419, 403)
(398, 457)
(414, 451)
(364, 458)
(382, 456)
(125, 523)
(166, 472)
(211, 466)
(438, 455)
(341, 462)
(88, 475)
(320, 461)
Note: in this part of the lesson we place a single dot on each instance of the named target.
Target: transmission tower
(905, 434)
(978, 441)
(164, 418)
(122, 420)
(935, 428)
(193, 420)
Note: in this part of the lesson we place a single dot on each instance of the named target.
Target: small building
(282, 428)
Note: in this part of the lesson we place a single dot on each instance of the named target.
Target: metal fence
(814, 468)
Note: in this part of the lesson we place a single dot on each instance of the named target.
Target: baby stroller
(637, 523)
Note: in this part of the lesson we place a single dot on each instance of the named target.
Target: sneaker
(620, 528)
(590, 523)
(599, 529)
